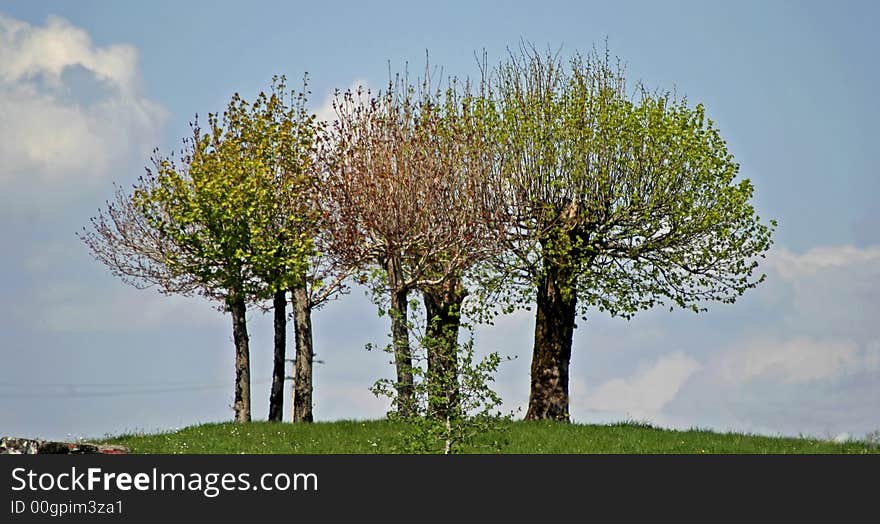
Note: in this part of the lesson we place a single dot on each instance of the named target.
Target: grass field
(514, 437)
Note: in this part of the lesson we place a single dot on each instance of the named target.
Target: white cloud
(802, 355)
(54, 133)
(826, 292)
(645, 393)
(792, 266)
(29, 52)
(797, 360)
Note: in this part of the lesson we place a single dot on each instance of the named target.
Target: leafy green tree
(617, 202)
(278, 130)
(225, 220)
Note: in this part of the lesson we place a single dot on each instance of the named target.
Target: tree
(285, 137)
(406, 206)
(456, 122)
(617, 202)
(278, 130)
(222, 221)
(324, 282)
(121, 238)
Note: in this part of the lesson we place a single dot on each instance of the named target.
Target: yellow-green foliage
(630, 194)
(237, 202)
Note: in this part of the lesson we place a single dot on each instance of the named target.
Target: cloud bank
(800, 356)
(72, 110)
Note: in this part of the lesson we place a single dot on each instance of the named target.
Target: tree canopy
(547, 181)
(228, 218)
(617, 201)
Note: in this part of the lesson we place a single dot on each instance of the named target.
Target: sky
(89, 89)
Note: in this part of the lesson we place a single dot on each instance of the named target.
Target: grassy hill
(514, 437)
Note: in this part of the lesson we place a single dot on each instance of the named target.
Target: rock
(18, 446)
(23, 446)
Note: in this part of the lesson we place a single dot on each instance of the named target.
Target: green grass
(515, 437)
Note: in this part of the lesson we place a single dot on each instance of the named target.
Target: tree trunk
(276, 397)
(242, 402)
(400, 340)
(554, 328)
(302, 366)
(443, 314)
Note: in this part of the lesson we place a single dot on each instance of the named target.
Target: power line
(138, 389)
(96, 384)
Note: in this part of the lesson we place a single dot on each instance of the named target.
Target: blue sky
(87, 89)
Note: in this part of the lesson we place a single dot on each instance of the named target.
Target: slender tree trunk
(554, 328)
(242, 402)
(443, 313)
(400, 340)
(302, 366)
(276, 397)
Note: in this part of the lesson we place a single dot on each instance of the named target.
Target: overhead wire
(89, 390)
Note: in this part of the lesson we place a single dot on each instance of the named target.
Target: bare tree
(407, 203)
(124, 240)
